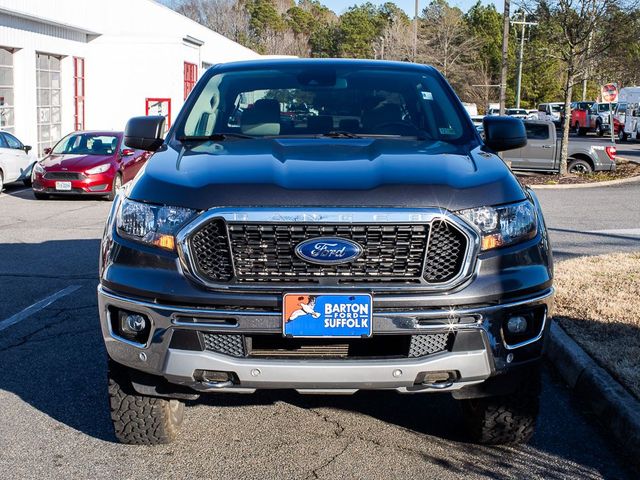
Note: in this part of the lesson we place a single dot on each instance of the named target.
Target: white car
(15, 160)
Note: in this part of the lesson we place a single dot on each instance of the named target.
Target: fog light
(517, 324)
(134, 323)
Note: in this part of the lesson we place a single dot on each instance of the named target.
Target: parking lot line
(36, 307)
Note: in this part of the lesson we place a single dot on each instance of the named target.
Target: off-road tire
(139, 419)
(599, 129)
(622, 136)
(505, 419)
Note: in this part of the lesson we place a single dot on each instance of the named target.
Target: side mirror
(47, 150)
(145, 133)
(504, 133)
(27, 148)
(127, 152)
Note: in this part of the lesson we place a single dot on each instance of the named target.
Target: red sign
(609, 93)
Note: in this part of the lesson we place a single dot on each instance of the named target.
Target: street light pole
(505, 46)
(521, 57)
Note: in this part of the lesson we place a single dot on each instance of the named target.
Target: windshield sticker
(427, 96)
(447, 131)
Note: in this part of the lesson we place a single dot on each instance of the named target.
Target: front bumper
(478, 353)
(100, 184)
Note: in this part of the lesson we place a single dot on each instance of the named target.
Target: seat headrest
(261, 119)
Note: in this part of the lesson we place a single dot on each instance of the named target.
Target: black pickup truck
(374, 243)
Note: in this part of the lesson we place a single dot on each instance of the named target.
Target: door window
(12, 142)
(536, 131)
(190, 77)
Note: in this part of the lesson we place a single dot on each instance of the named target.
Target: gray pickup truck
(542, 152)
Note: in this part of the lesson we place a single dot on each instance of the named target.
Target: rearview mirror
(145, 133)
(504, 133)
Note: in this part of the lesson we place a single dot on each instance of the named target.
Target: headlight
(99, 169)
(38, 168)
(151, 224)
(505, 225)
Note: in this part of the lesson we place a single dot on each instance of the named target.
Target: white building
(92, 64)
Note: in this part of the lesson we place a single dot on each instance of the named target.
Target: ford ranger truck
(375, 243)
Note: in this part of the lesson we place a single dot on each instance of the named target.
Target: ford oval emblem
(328, 250)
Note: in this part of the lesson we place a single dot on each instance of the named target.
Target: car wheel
(115, 186)
(139, 419)
(622, 137)
(579, 166)
(40, 196)
(599, 130)
(576, 129)
(27, 182)
(1, 181)
(504, 419)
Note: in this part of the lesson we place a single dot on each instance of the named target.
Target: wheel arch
(582, 156)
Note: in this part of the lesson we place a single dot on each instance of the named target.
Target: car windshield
(335, 100)
(516, 111)
(557, 108)
(604, 107)
(87, 144)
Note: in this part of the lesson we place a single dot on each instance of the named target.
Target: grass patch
(598, 304)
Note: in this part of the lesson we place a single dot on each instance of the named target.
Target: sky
(408, 6)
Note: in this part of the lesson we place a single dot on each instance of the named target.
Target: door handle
(546, 146)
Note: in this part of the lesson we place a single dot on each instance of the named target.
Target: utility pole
(415, 34)
(505, 47)
(524, 24)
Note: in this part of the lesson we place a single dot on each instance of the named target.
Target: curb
(607, 183)
(617, 410)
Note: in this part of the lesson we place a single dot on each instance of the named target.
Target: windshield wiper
(213, 136)
(340, 134)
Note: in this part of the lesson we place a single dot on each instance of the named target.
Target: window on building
(190, 77)
(48, 100)
(78, 93)
(6, 89)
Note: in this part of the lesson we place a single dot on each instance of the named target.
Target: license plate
(324, 315)
(64, 186)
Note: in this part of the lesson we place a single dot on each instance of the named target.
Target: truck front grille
(276, 346)
(264, 253)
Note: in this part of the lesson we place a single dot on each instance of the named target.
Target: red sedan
(93, 163)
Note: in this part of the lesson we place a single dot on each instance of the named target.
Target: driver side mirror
(145, 133)
(47, 150)
(27, 148)
(504, 133)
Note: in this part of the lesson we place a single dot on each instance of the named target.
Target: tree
(577, 33)
(360, 27)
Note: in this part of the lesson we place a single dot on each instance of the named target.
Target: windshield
(87, 144)
(604, 107)
(299, 100)
(516, 111)
(557, 108)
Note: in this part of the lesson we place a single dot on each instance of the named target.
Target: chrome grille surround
(332, 217)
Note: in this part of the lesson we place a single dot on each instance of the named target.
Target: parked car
(87, 163)
(16, 160)
(551, 112)
(516, 112)
(591, 117)
(627, 113)
(542, 152)
(397, 252)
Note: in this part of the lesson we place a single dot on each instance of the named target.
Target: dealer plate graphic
(319, 315)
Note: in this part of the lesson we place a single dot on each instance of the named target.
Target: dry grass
(598, 304)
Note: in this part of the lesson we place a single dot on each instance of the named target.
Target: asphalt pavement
(53, 402)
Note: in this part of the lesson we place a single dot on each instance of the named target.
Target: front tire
(140, 419)
(599, 129)
(1, 181)
(581, 167)
(115, 186)
(622, 137)
(505, 419)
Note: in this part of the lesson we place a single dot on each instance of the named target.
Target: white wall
(138, 52)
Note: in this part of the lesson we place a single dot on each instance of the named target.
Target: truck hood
(325, 172)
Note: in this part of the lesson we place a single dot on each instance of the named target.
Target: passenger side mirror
(145, 133)
(504, 133)
(27, 148)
